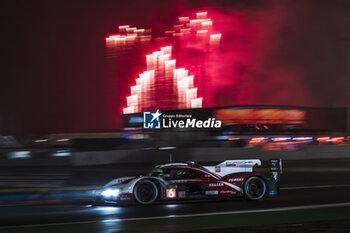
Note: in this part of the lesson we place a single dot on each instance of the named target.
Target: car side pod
(275, 172)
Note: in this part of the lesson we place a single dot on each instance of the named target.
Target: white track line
(306, 207)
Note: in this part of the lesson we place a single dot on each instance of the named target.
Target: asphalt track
(302, 188)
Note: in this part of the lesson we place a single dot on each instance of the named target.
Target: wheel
(145, 192)
(254, 188)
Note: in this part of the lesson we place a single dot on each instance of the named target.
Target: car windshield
(177, 173)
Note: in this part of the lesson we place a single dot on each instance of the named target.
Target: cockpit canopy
(176, 172)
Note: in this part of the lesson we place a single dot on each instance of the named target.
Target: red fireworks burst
(163, 85)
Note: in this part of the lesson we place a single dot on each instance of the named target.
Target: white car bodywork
(234, 166)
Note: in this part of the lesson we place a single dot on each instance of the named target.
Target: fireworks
(163, 85)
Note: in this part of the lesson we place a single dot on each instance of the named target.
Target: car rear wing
(275, 172)
(240, 163)
(234, 166)
(276, 166)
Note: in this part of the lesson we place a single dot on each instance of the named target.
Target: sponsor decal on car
(125, 197)
(212, 192)
(235, 179)
(184, 181)
(216, 184)
(227, 192)
(182, 194)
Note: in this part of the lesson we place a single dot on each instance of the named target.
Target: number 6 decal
(170, 193)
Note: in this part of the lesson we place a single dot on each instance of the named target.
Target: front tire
(145, 192)
(254, 188)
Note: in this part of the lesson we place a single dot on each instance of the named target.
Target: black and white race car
(177, 182)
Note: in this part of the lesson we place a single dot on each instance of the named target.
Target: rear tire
(254, 188)
(145, 192)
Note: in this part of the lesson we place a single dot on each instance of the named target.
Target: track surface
(25, 215)
(311, 185)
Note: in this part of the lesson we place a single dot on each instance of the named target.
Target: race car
(177, 182)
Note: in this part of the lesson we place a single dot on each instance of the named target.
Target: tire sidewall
(246, 184)
(155, 189)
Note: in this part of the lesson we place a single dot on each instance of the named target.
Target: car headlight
(110, 192)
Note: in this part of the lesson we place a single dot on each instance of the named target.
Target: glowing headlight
(110, 193)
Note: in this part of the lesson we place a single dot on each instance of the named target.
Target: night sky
(55, 76)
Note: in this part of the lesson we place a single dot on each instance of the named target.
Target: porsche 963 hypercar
(177, 182)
